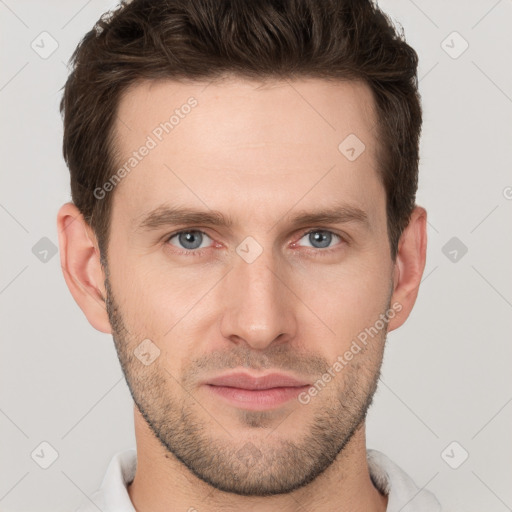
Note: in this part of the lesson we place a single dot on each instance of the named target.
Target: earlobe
(409, 266)
(80, 263)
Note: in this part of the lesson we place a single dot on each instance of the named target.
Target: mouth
(256, 392)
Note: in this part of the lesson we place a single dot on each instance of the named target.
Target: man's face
(262, 295)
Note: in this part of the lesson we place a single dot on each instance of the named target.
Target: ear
(80, 263)
(409, 266)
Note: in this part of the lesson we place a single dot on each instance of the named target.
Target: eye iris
(188, 238)
(321, 237)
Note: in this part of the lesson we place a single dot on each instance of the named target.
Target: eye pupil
(321, 237)
(188, 238)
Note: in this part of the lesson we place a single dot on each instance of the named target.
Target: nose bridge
(259, 305)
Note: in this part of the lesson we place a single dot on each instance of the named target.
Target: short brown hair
(206, 39)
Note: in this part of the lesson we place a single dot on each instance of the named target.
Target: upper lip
(247, 381)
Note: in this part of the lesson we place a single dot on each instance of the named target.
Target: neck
(163, 483)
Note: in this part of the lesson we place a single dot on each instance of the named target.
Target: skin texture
(259, 153)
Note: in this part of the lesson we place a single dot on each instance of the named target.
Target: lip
(246, 381)
(256, 392)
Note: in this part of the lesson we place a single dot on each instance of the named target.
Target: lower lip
(257, 399)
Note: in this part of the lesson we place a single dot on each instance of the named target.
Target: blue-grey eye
(190, 240)
(320, 239)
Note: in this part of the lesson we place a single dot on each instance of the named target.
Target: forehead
(266, 143)
(299, 111)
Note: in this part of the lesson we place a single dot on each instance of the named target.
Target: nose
(260, 307)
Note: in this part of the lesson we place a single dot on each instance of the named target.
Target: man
(243, 222)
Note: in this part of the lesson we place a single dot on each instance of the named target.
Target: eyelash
(199, 252)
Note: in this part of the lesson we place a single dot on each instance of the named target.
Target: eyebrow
(165, 215)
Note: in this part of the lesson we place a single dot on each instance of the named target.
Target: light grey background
(446, 375)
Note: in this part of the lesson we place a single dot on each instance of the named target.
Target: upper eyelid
(343, 237)
(172, 235)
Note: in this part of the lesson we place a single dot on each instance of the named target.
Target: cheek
(168, 306)
(347, 298)
(146, 300)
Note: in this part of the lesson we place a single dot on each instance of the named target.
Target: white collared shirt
(390, 479)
